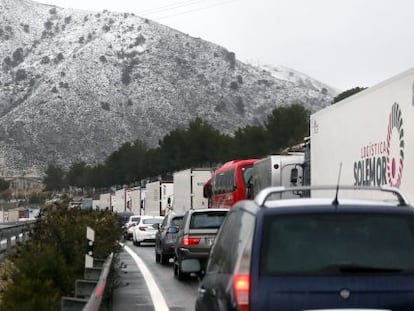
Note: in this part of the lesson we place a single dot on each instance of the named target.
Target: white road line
(156, 295)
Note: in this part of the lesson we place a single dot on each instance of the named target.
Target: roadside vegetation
(45, 268)
(198, 145)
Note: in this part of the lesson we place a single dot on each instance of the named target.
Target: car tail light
(241, 287)
(142, 228)
(188, 241)
(242, 279)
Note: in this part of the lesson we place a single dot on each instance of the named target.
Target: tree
(286, 126)
(4, 185)
(347, 93)
(76, 175)
(127, 164)
(199, 145)
(54, 179)
(250, 142)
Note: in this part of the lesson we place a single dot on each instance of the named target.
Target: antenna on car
(335, 201)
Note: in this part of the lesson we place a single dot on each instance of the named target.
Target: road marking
(156, 295)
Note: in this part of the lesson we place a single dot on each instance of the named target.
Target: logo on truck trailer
(382, 163)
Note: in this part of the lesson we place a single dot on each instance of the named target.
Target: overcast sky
(343, 43)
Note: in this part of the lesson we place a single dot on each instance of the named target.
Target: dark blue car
(312, 254)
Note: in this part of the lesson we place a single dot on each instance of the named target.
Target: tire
(181, 276)
(178, 273)
(157, 256)
(163, 259)
(175, 269)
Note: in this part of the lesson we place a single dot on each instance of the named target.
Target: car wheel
(164, 260)
(157, 256)
(178, 273)
(175, 268)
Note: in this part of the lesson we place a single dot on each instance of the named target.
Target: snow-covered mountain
(75, 85)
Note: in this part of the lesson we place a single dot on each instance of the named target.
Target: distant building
(24, 185)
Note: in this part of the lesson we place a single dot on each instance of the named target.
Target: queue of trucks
(363, 140)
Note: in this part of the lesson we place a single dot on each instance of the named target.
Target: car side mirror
(173, 229)
(156, 226)
(207, 191)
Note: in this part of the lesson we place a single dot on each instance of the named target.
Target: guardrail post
(89, 292)
(8, 241)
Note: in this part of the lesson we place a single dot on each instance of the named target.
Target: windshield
(332, 243)
(209, 220)
(247, 173)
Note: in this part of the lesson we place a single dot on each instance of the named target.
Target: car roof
(327, 204)
(208, 210)
(332, 195)
(151, 216)
(311, 205)
(177, 216)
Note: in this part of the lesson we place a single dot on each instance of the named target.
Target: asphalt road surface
(147, 285)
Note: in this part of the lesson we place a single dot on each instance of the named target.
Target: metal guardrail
(90, 291)
(12, 233)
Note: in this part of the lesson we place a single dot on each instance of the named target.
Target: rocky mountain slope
(75, 85)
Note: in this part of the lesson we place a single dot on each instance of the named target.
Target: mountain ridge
(75, 85)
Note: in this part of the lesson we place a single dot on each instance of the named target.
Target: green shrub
(46, 267)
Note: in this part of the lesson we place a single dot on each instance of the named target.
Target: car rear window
(207, 220)
(151, 221)
(136, 219)
(177, 221)
(338, 243)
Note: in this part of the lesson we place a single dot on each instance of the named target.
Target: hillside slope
(75, 85)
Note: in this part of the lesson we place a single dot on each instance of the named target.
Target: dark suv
(312, 254)
(196, 237)
(166, 236)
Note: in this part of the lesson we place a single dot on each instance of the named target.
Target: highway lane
(179, 295)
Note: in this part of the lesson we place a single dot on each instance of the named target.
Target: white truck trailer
(277, 170)
(134, 200)
(188, 189)
(371, 133)
(157, 196)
